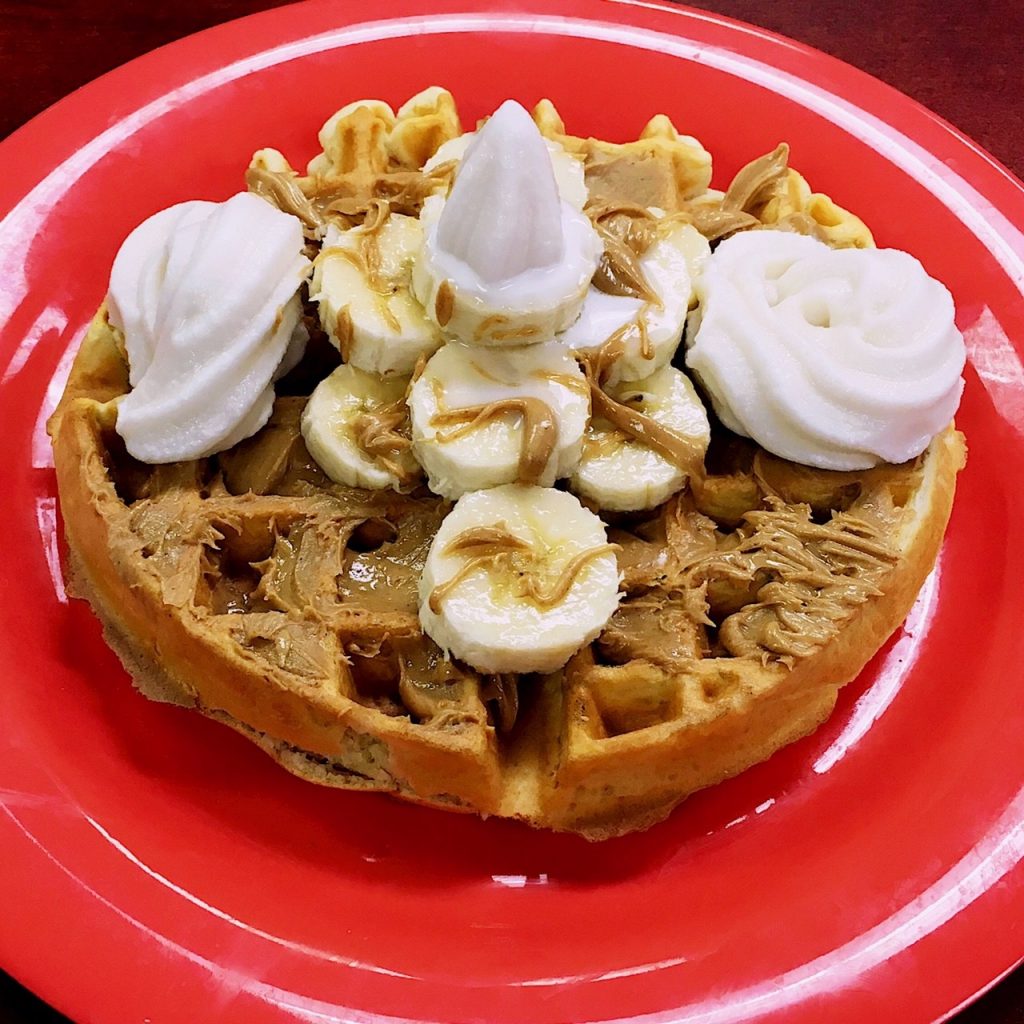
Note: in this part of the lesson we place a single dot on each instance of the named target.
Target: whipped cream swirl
(505, 260)
(838, 359)
(206, 295)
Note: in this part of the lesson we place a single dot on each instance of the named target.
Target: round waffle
(251, 587)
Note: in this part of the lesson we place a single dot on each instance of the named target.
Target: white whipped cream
(505, 260)
(206, 296)
(839, 359)
(567, 169)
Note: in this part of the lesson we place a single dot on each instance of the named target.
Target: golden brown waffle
(251, 587)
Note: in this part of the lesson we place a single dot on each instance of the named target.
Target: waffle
(252, 588)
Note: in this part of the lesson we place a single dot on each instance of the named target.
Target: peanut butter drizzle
(615, 347)
(444, 303)
(627, 232)
(366, 258)
(681, 451)
(715, 223)
(382, 433)
(539, 425)
(750, 192)
(568, 576)
(485, 545)
(344, 332)
(497, 547)
(282, 190)
(369, 241)
(491, 326)
(803, 224)
(345, 195)
(747, 189)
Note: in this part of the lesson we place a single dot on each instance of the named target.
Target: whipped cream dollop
(206, 295)
(839, 359)
(505, 260)
(569, 173)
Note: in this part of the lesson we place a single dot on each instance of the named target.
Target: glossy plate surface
(156, 866)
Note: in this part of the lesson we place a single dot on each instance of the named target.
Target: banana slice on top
(639, 322)
(355, 425)
(362, 283)
(518, 579)
(645, 439)
(484, 417)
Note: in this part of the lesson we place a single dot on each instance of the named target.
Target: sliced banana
(484, 417)
(622, 473)
(353, 427)
(505, 261)
(518, 579)
(642, 336)
(568, 169)
(362, 283)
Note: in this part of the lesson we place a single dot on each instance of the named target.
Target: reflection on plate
(866, 866)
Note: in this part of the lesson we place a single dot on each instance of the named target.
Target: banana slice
(481, 418)
(518, 579)
(505, 261)
(362, 283)
(354, 426)
(642, 334)
(568, 169)
(621, 472)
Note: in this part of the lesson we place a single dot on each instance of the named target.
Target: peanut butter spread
(795, 581)
(497, 549)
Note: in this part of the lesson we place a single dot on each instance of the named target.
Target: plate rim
(999, 180)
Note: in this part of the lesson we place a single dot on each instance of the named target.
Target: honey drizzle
(570, 381)
(568, 575)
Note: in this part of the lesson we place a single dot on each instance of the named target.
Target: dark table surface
(963, 60)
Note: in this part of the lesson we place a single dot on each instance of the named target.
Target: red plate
(158, 867)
